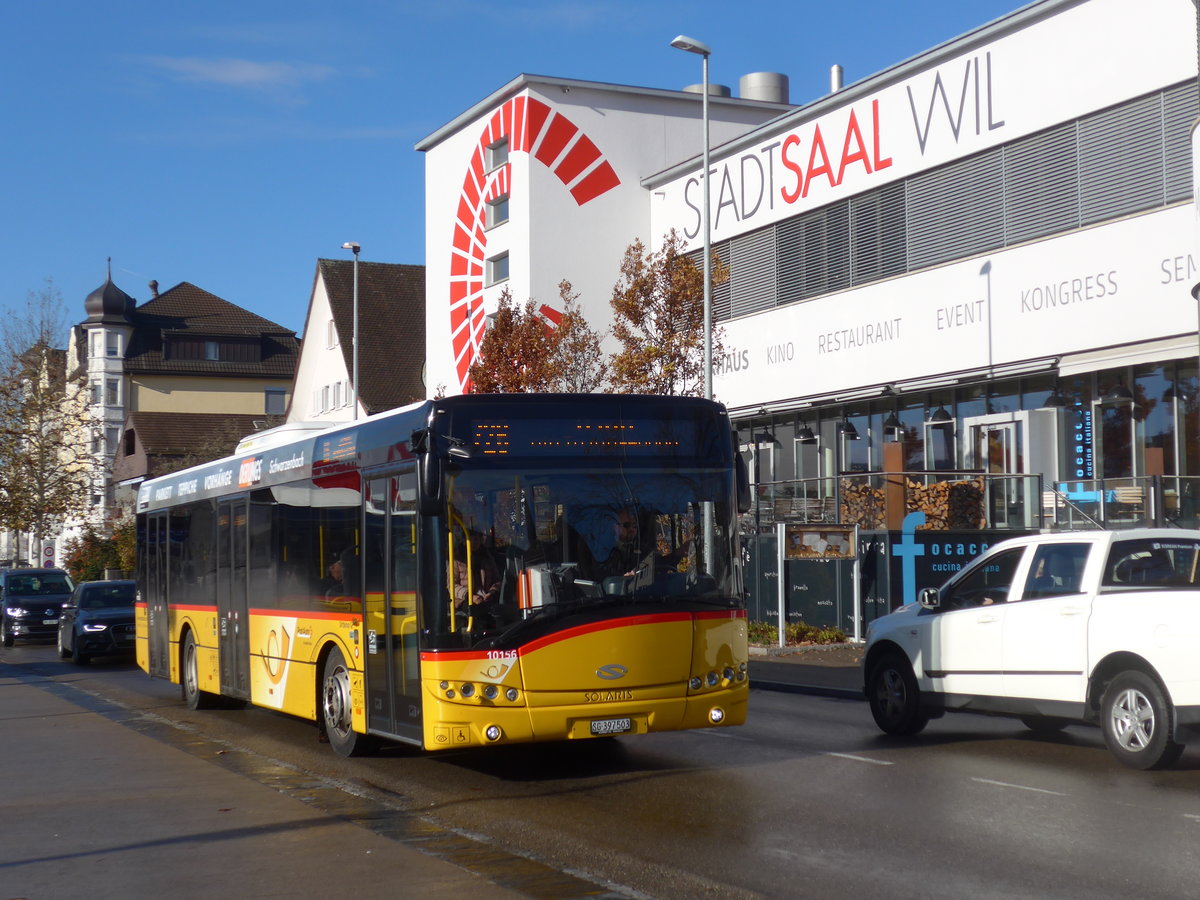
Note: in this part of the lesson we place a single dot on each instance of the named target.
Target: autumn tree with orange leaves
(658, 319)
(524, 352)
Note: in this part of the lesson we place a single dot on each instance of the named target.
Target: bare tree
(47, 470)
(658, 319)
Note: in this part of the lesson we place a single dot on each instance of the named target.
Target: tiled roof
(186, 310)
(178, 434)
(391, 328)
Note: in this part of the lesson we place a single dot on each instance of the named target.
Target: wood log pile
(948, 505)
(862, 505)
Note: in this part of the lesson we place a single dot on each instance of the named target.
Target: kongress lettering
(1069, 291)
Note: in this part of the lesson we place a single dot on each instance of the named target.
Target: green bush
(767, 634)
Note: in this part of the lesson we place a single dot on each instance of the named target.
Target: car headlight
(94, 627)
(16, 612)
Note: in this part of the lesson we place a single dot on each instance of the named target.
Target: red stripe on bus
(570, 633)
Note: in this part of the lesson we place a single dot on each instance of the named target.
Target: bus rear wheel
(336, 709)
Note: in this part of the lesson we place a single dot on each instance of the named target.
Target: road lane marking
(866, 759)
(1019, 787)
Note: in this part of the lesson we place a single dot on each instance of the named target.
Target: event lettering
(1068, 291)
(960, 314)
(859, 336)
(975, 94)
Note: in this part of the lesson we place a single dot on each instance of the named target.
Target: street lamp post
(354, 248)
(691, 45)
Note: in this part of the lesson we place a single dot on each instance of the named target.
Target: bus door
(154, 592)
(233, 626)
(390, 604)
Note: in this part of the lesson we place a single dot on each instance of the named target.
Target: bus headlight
(493, 733)
(728, 673)
(695, 683)
(511, 694)
(713, 678)
(490, 691)
(716, 715)
(468, 690)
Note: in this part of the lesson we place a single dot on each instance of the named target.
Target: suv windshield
(106, 596)
(37, 585)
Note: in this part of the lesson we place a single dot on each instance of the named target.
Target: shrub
(767, 634)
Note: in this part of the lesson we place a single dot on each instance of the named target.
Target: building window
(331, 335)
(97, 392)
(276, 402)
(95, 442)
(130, 442)
(496, 155)
(497, 211)
(112, 392)
(112, 439)
(212, 350)
(97, 346)
(113, 347)
(497, 269)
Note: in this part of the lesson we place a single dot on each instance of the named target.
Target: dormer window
(212, 350)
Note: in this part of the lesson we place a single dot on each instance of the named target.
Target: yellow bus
(464, 572)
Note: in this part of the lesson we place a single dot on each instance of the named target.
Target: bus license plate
(611, 726)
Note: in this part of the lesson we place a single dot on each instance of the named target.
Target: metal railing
(1147, 500)
(950, 500)
(971, 500)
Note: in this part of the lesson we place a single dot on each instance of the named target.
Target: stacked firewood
(862, 505)
(948, 505)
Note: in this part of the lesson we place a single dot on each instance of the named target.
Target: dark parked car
(97, 620)
(33, 599)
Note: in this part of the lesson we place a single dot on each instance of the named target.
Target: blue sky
(231, 144)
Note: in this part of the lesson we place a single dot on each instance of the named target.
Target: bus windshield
(536, 545)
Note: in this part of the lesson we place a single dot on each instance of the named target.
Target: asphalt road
(806, 800)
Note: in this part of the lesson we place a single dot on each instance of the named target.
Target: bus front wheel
(336, 705)
(189, 681)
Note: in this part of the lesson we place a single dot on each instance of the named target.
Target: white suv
(1099, 627)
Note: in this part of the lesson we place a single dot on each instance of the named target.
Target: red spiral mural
(555, 141)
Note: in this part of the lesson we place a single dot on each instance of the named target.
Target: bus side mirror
(429, 474)
(744, 498)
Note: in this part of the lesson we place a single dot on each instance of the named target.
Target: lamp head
(351, 246)
(691, 45)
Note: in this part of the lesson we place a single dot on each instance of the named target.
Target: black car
(97, 620)
(33, 599)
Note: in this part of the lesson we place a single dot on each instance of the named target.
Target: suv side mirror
(930, 598)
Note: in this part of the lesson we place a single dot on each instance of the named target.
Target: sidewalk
(831, 671)
(105, 802)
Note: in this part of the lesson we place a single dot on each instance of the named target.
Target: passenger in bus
(332, 587)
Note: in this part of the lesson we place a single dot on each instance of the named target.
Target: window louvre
(1120, 160)
(752, 256)
(1041, 184)
(957, 210)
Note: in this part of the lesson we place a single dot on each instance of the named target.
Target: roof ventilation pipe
(835, 78)
(770, 87)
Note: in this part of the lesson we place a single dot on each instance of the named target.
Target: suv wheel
(894, 696)
(6, 636)
(1138, 720)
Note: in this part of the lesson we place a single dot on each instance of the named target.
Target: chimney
(153, 288)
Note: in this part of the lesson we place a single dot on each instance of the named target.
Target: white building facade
(984, 253)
